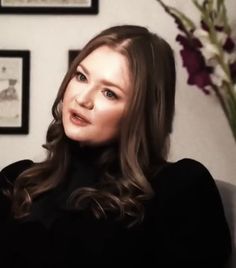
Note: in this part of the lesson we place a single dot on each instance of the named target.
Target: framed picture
(72, 55)
(49, 6)
(14, 91)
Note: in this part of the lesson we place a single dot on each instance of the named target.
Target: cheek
(66, 100)
(68, 92)
(64, 103)
(110, 117)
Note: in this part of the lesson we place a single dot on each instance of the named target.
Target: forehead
(107, 53)
(106, 63)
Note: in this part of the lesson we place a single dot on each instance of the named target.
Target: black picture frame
(49, 7)
(72, 54)
(14, 91)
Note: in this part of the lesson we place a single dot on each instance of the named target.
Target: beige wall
(201, 131)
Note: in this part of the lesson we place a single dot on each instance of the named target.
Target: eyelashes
(80, 77)
(110, 94)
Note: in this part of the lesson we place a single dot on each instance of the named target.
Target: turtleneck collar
(89, 153)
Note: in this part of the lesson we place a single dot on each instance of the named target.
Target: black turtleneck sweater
(184, 224)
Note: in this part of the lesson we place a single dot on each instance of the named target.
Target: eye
(110, 94)
(80, 77)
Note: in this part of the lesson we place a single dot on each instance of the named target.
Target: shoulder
(187, 185)
(12, 171)
(188, 208)
(183, 173)
(185, 180)
(185, 167)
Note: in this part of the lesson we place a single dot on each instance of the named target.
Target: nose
(85, 99)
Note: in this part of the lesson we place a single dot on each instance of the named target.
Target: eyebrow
(84, 68)
(105, 82)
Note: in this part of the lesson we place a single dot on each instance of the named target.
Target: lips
(80, 117)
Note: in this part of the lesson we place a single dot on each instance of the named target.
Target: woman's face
(96, 97)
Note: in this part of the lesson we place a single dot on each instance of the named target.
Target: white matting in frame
(14, 91)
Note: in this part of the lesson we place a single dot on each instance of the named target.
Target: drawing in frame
(14, 91)
(49, 6)
(72, 54)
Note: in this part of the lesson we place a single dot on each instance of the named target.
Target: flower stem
(229, 106)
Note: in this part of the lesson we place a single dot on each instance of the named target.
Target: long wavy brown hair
(143, 143)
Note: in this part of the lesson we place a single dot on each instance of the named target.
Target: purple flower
(193, 61)
(218, 28)
(177, 20)
(204, 26)
(229, 45)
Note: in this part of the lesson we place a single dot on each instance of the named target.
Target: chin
(72, 136)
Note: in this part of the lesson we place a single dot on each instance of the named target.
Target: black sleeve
(191, 223)
(7, 179)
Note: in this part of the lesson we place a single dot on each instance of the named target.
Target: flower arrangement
(209, 52)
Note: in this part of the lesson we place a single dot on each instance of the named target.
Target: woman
(105, 193)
